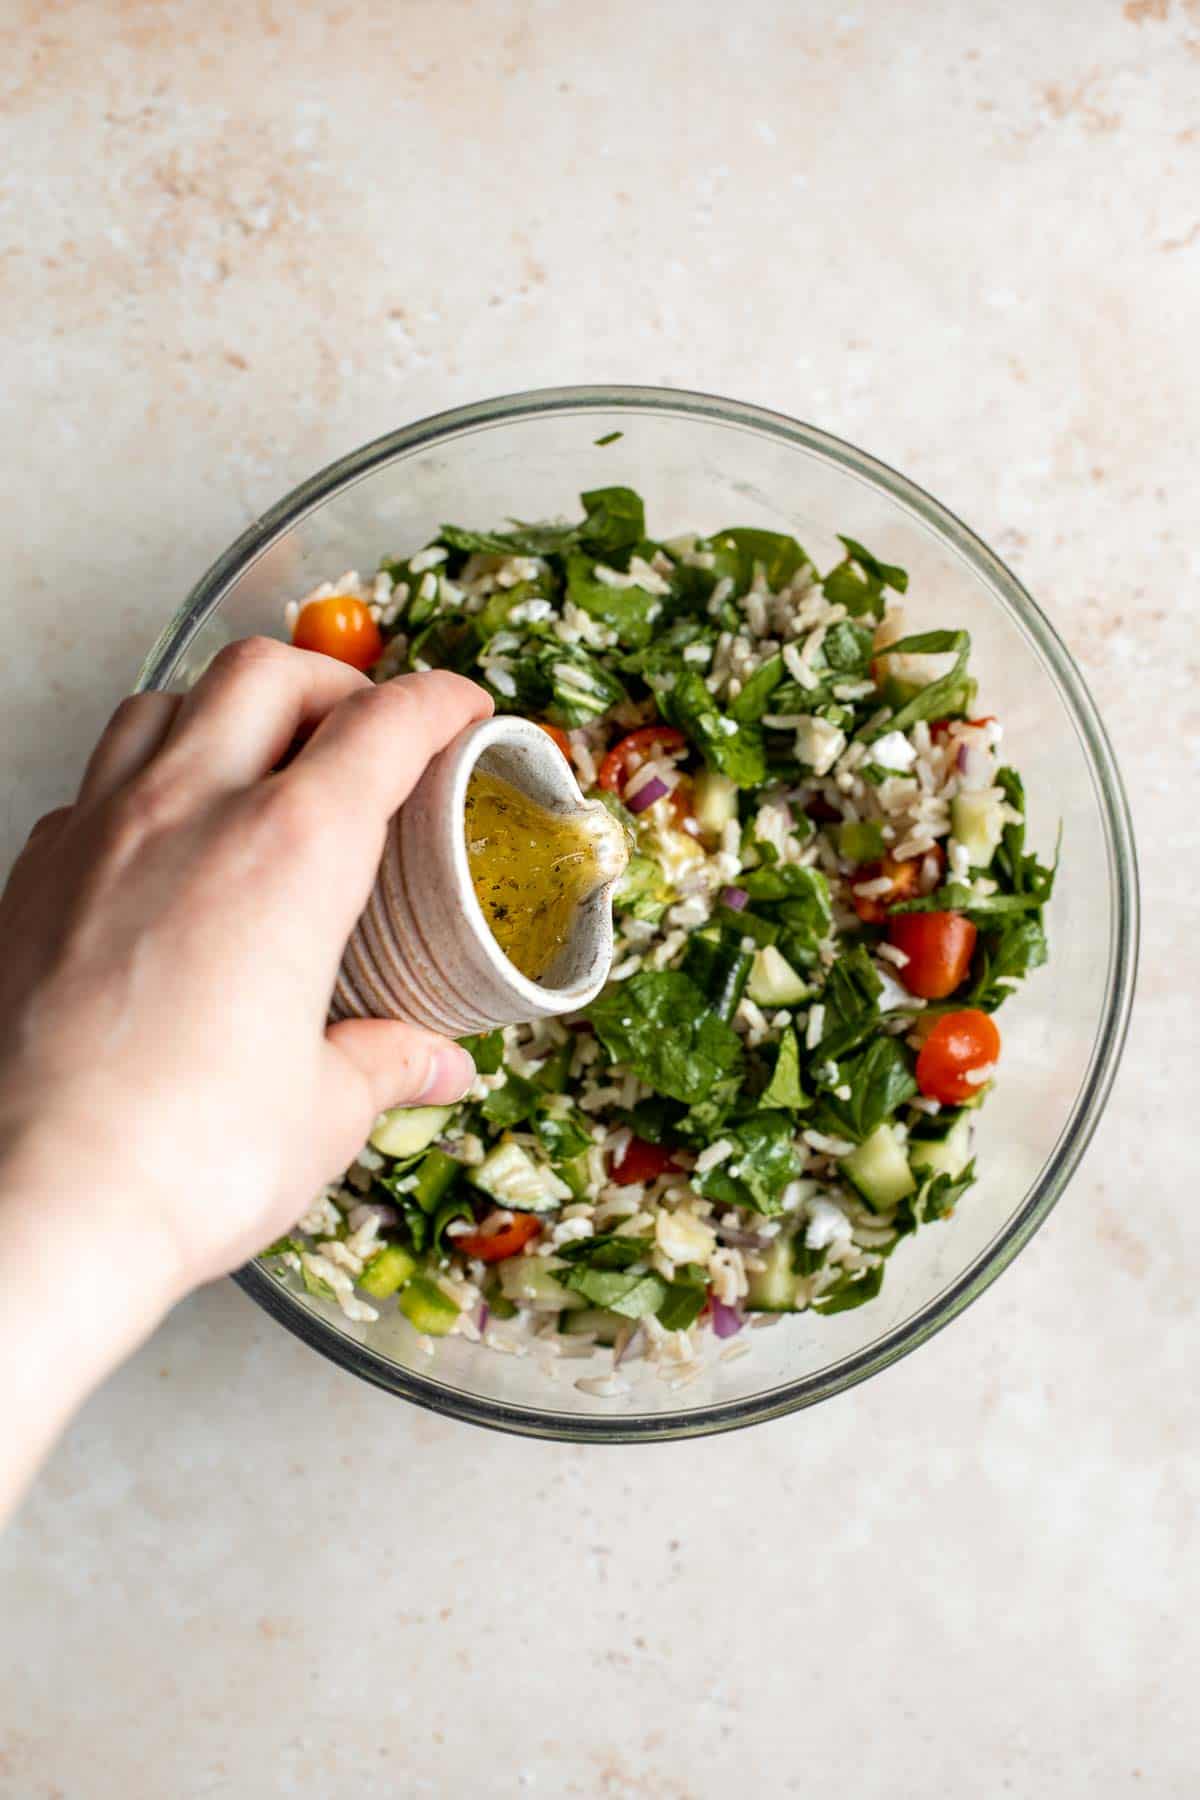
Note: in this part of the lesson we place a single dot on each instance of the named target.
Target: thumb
(399, 1065)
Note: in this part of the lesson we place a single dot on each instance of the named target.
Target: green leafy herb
(755, 697)
(615, 521)
(880, 1080)
(610, 437)
(451, 641)
(630, 1294)
(630, 611)
(643, 890)
(937, 698)
(731, 747)
(936, 1198)
(454, 1206)
(1003, 957)
(785, 1088)
(764, 1160)
(509, 1105)
(581, 688)
(739, 548)
(721, 968)
(608, 1250)
(562, 1135)
(684, 1300)
(487, 1050)
(659, 1026)
(859, 580)
(852, 1289)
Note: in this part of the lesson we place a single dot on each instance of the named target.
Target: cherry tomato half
(341, 626)
(494, 1246)
(938, 945)
(905, 878)
(633, 750)
(560, 737)
(960, 1043)
(642, 1162)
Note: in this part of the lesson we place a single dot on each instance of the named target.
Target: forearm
(82, 1287)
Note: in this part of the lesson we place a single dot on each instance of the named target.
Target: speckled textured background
(236, 240)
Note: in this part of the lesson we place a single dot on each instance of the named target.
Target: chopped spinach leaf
(487, 1051)
(852, 1289)
(659, 1026)
(880, 1080)
(732, 747)
(627, 1293)
(763, 1162)
(509, 1105)
(785, 1089)
(937, 699)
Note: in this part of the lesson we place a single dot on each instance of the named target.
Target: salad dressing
(532, 869)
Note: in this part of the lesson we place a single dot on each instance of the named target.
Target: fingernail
(451, 1073)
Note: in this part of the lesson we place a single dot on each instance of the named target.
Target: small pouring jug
(422, 950)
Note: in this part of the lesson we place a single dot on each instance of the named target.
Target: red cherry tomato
(339, 626)
(960, 1043)
(938, 945)
(494, 1246)
(642, 1162)
(632, 751)
(560, 737)
(905, 878)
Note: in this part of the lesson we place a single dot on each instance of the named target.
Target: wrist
(68, 1230)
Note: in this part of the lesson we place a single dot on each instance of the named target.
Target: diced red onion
(485, 1313)
(727, 1321)
(734, 898)
(647, 794)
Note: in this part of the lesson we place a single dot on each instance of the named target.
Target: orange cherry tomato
(340, 626)
(905, 878)
(635, 749)
(560, 737)
(960, 1043)
(642, 1162)
(939, 947)
(494, 1246)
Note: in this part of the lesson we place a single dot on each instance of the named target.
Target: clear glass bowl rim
(1073, 1140)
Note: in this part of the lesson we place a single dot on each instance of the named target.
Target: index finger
(369, 752)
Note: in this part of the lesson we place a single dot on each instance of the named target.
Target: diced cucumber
(405, 1130)
(427, 1308)
(774, 982)
(714, 801)
(514, 1179)
(947, 1155)
(436, 1175)
(527, 1279)
(860, 840)
(386, 1273)
(775, 1287)
(593, 1321)
(879, 1170)
(977, 823)
(576, 1173)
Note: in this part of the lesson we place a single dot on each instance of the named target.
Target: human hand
(167, 1078)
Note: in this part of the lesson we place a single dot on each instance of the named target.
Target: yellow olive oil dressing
(532, 869)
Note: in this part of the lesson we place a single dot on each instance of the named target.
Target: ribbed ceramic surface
(422, 950)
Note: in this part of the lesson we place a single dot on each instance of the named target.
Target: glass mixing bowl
(703, 463)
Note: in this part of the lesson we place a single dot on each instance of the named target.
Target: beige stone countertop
(237, 240)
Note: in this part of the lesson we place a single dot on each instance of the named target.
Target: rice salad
(829, 896)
